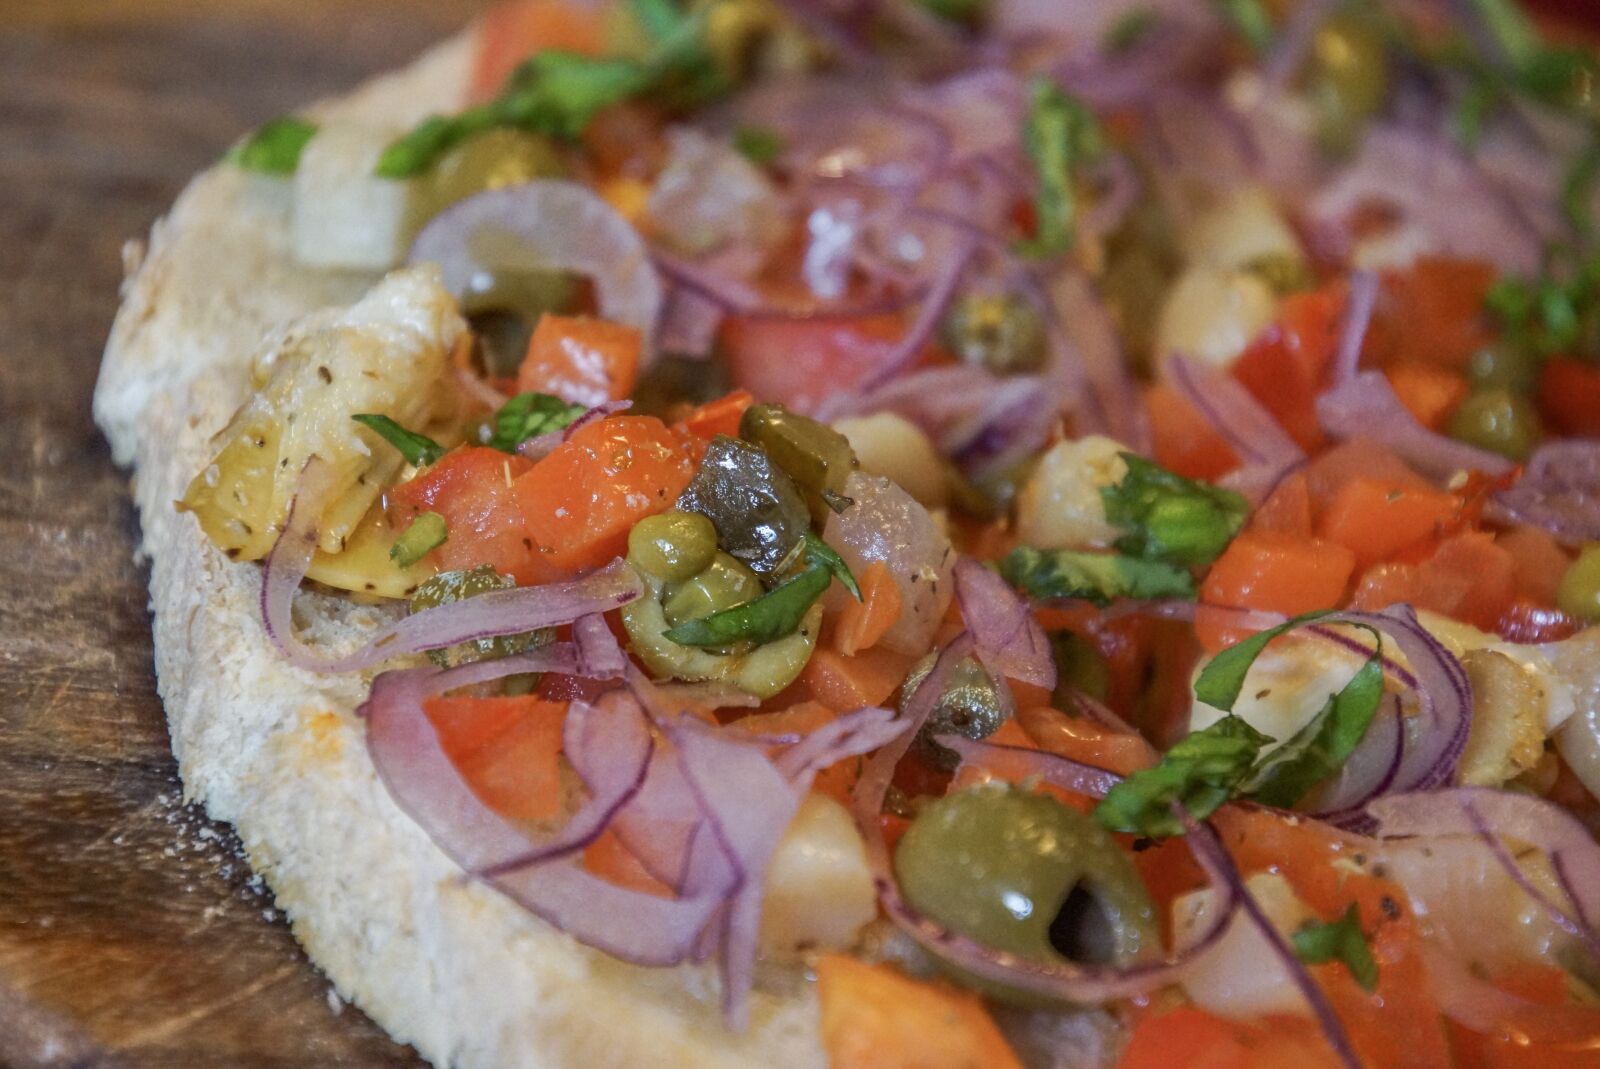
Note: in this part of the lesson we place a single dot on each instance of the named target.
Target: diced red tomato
(512, 32)
(581, 500)
(1376, 518)
(1468, 578)
(1287, 510)
(507, 750)
(1539, 560)
(844, 683)
(798, 363)
(1083, 741)
(1283, 366)
(472, 489)
(1279, 573)
(860, 624)
(1191, 1037)
(1360, 458)
(581, 360)
(1569, 396)
(1430, 393)
(1386, 584)
(721, 416)
(1432, 313)
(1182, 441)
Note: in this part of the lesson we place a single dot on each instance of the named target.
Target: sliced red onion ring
(1366, 407)
(1008, 638)
(929, 316)
(599, 655)
(1559, 492)
(1234, 413)
(502, 612)
(1357, 318)
(424, 783)
(738, 297)
(1481, 1006)
(850, 735)
(1494, 816)
(547, 225)
(1086, 349)
(689, 323)
(1054, 769)
(1369, 773)
(748, 804)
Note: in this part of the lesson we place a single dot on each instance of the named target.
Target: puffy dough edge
(448, 966)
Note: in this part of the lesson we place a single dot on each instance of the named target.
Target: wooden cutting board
(131, 933)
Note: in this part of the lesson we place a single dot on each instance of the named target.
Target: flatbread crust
(451, 967)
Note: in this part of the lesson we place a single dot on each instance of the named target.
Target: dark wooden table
(130, 931)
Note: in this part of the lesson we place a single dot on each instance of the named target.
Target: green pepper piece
(773, 615)
(425, 534)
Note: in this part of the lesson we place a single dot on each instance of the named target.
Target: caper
(493, 159)
(1504, 363)
(1080, 669)
(1347, 80)
(971, 705)
(1003, 333)
(817, 457)
(722, 584)
(1499, 420)
(1022, 873)
(674, 546)
(1579, 592)
(447, 587)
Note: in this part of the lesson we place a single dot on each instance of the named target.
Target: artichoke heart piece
(364, 565)
(387, 353)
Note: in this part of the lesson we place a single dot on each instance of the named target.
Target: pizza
(938, 533)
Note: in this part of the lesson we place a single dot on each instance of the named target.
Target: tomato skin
(799, 363)
(1432, 313)
(472, 489)
(1182, 441)
(1429, 393)
(721, 416)
(1279, 573)
(1468, 578)
(1283, 366)
(580, 501)
(1376, 518)
(506, 749)
(1569, 396)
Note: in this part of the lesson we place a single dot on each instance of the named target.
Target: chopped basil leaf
(819, 551)
(558, 93)
(529, 415)
(1200, 773)
(1317, 943)
(1170, 518)
(1222, 678)
(1130, 29)
(758, 144)
(426, 533)
(1060, 133)
(771, 616)
(275, 147)
(418, 449)
(1096, 577)
(1321, 748)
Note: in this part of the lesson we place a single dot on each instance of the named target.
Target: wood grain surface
(131, 933)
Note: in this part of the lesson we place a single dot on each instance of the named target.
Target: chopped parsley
(275, 147)
(1169, 518)
(1317, 943)
(426, 533)
(529, 415)
(1060, 134)
(1100, 578)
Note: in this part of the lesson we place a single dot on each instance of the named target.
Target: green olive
(1024, 874)
(1504, 363)
(722, 584)
(447, 587)
(1579, 592)
(1499, 420)
(996, 330)
(1347, 80)
(971, 705)
(493, 159)
(674, 546)
(817, 457)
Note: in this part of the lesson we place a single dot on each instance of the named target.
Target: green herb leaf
(1250, 20)
(558, 93)
(1130, 29)
(418, 449)
(1321, 748)
(1201, 773)
(818, 550)
(1317, 943)
(1060, 134)
(275, 147)
(1558, 312)
(1170, 518)
(529, 415)
(426, 533)
(773, 615)
(1096, 577)
(758, 144)
(965, 12)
